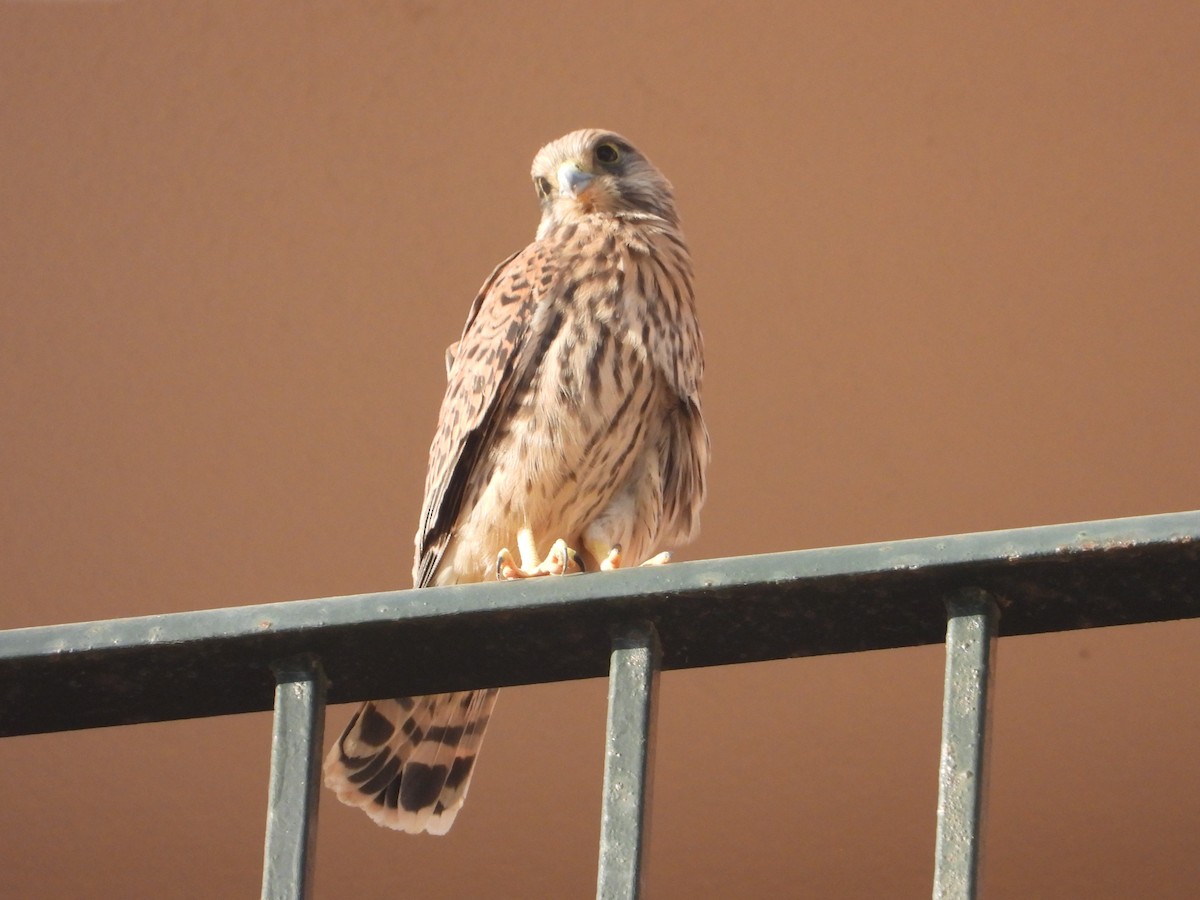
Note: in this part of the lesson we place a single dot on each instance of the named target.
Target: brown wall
(948, 266)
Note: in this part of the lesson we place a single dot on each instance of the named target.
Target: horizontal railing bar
(709, 612)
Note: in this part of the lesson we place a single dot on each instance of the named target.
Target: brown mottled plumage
(573, 414)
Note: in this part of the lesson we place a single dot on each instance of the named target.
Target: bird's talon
(561, 560)
(506, 567)
(613, 561)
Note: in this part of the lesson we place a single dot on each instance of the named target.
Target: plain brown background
(948, 264)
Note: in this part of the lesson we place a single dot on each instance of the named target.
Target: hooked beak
(572, 180)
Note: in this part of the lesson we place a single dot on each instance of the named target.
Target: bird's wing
(507, 328)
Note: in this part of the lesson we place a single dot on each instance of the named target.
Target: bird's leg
(561, 560)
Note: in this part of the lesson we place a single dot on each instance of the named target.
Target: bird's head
(594, 171)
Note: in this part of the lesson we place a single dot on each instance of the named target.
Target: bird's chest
(585, 415)
(594, 367)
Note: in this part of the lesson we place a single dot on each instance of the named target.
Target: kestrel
(572, 419)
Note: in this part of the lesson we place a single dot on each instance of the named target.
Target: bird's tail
(407, 762)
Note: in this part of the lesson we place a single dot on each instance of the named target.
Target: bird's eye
(608, 154)
(542, 185)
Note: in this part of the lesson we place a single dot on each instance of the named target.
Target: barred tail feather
(407, 762)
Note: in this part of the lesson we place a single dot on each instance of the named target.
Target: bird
(571, 428)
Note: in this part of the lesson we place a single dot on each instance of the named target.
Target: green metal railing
(293, 657)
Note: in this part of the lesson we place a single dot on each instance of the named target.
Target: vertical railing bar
(628, 760)
(290, 848)
(972, 626)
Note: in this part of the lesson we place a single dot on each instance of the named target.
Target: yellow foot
(562, 560)
(613, 559)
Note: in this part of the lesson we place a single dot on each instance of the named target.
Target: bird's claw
(612, 561)
(561, 560)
